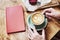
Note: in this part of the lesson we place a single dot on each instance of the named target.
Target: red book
(15, 19)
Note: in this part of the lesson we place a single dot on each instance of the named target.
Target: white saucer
(33, 8)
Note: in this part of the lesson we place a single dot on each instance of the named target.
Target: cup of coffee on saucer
(37, 20)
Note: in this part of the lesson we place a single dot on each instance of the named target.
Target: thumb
(43, 34)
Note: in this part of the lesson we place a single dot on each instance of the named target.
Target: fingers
(49, 10)
(46, 10)
(32, 34)
(30, 37)
(43, 34)
(30, 31)
(49, 14)
(49, 17)
(35, 31)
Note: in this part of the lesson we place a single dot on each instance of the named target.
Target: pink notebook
(15, 19)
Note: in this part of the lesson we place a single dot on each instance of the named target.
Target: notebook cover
(15, 19)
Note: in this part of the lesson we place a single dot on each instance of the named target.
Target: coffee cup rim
(39, 13)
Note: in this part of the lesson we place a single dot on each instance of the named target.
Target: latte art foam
(37, 18)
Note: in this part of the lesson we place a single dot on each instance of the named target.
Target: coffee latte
(37, 18)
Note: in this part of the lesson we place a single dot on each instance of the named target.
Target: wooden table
(52, 28)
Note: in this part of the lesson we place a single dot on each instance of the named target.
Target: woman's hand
(33, 35)
(50, 12)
